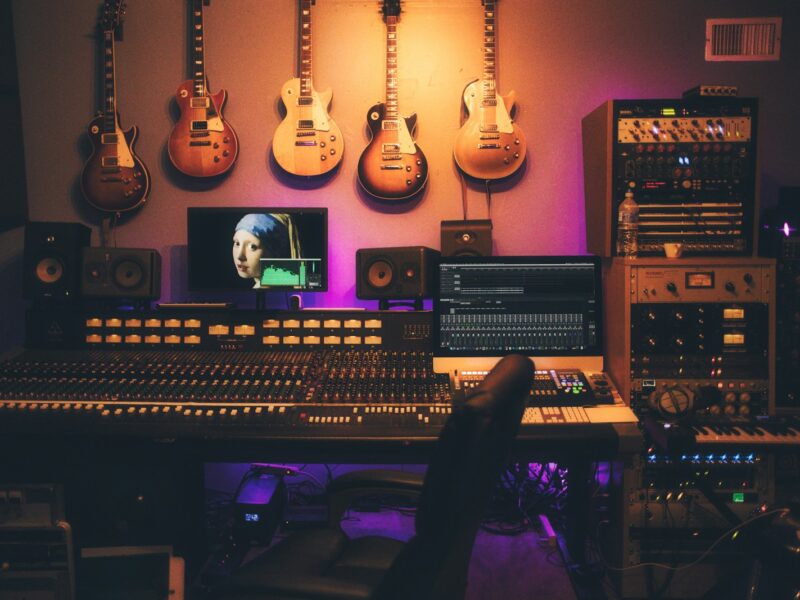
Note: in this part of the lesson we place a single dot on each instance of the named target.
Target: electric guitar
(114, 179)
(202, 143)
(391, 167)
(307, 142)
(489, 144)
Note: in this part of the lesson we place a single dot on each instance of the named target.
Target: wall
(562, 58)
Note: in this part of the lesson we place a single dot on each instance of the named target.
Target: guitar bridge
(489, 146)
(314, 143)
(202, 143)
(392, 167)
(305, 124)
(306, 133)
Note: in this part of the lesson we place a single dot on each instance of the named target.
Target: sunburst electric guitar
(489, 145)
(202, 143)
(392, 168)
(307, 142)
(114, 179)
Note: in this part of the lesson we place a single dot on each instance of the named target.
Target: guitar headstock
(113, 14)
(391, 8)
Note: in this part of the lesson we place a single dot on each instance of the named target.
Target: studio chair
(471, 452)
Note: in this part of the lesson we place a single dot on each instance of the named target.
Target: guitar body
(391, 167)
(307, 142)
(114, 179)
(202, 143)
(492, 152)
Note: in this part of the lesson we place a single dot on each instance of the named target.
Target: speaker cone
(380, 274)
(49, 270)
(128, 274)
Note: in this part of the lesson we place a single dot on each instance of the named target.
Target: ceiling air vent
(743, 39)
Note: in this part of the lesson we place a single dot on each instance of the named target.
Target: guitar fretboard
(306, 85)
(109, 86)
(198, 66)
(391, 68)
(489, 54)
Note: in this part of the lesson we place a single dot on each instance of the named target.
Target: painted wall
(562, 58)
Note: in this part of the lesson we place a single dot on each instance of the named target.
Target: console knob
(730, 286)
(748, 279)
(671, 287)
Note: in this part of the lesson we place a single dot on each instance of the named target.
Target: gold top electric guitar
(114, 179)
(202, 143)
(392, 168)
(307, 142)
(489, 144)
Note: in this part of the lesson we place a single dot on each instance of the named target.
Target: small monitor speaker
(130, 273)
(395, 273)
(52, 260)
(467, 238)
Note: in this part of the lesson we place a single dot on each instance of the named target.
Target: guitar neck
(198, 66)
(391, 68)
(304, 51)
(489, 54)
(109, 85)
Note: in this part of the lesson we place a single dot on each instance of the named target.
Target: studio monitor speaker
(52, 259)
(121, 273)
(467, 238)
(395, 273)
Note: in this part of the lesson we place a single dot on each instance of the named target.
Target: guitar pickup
(488, 128)
(305, 124)
(199, 126)
(305, 101)
(199, 102)
(313, 143)
(109, 138)
(390, 125)
(201, 143)
(109, 161)
(391, 148)
(488, 146)
(392, 167)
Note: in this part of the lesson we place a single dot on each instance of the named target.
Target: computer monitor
(546, 307)
(268, 249)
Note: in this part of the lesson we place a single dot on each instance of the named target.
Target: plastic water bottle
(628, 227)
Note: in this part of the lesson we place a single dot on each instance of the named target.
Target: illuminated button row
(327, 324)
(96, 322)
(330, 340)
(134, 338)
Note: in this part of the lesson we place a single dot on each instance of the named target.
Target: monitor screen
(259, 248)
(533, 305)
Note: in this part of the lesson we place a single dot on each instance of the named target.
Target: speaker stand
(384, 304)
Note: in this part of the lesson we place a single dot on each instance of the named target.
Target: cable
(716, 543)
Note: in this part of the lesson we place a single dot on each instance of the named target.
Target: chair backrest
(473, 448)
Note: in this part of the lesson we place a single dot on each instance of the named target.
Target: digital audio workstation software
(539, 306)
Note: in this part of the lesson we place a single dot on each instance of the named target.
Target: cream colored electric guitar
(489, 145)
(307, 142)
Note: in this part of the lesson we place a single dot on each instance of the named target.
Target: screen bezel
(242, 210)
(595, 261)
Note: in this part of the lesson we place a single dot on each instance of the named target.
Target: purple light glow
(786, 229)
